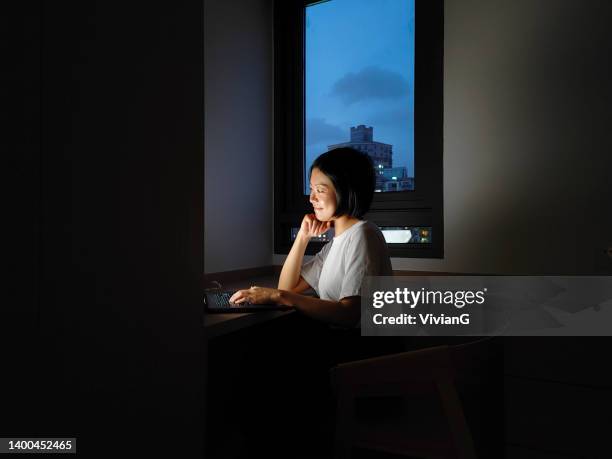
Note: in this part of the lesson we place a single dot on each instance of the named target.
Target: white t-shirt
(338, 270)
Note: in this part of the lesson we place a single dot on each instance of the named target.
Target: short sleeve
(360, 261)
(311, 270)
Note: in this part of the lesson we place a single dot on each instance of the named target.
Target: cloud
(398, 116)
(320, 131)
(370, 83)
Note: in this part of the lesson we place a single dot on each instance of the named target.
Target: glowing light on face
(322, 196)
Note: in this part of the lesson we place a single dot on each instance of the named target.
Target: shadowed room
(158, 154)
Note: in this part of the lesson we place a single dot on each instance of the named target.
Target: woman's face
(322, 196)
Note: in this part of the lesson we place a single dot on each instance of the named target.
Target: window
(352, 77)
(376, 88)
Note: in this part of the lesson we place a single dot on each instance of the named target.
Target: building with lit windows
(388, 178)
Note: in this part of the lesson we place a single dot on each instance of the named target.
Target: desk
(221, 324)
(216, 327)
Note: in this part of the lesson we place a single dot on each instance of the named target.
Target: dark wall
(20, 119)
(109, 190)
(239, 88)
(527, 96)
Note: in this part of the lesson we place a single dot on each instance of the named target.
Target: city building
(388, 178)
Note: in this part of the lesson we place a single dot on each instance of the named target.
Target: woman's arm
(301, 286)
(290, 274)
(345, 312)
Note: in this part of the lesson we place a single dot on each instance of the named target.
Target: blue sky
(360, 70)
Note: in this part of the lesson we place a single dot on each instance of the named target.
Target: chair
(444, 376)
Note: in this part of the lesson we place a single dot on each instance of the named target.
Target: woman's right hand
(312, 227)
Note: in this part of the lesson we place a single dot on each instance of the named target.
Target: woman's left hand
(256, 295)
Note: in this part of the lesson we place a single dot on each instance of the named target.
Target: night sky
(360, 70)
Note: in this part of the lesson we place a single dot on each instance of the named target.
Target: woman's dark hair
(352, 174)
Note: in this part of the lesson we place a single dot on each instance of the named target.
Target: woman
(300, 353)
(341, 189)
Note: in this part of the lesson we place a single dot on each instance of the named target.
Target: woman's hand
(312, 227)
(256, 295)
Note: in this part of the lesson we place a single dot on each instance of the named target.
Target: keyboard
(219, 302)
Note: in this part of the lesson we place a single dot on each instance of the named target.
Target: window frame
(422, 207)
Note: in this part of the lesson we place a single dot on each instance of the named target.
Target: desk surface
(221, 324)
